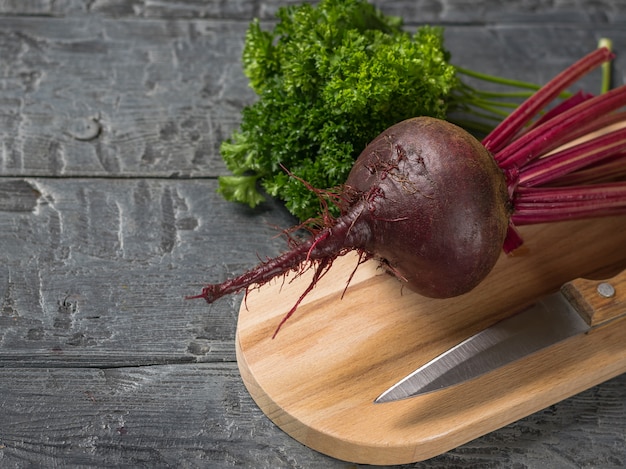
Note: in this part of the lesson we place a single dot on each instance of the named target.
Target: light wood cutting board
(318, 378)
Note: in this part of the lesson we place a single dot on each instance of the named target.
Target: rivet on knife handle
(598, 301)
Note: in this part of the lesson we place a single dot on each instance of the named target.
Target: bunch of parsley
(329, 79)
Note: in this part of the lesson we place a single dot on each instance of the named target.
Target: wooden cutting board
(318, 378)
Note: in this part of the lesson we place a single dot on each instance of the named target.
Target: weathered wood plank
(440, 11)
(95, 96)
(90, 96)
(167, 416)
(490, 12)
(96, 272)
(201, 416)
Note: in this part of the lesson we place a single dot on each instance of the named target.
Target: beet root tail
(348, 232)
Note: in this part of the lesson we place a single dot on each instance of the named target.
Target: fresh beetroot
(433, 204)
(436, 207)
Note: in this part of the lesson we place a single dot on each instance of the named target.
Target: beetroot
(436, 207)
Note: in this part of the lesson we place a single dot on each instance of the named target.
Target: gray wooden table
(111, 114)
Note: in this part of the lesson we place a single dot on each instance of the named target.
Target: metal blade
(547, 322)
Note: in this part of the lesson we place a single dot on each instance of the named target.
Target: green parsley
(329, 79)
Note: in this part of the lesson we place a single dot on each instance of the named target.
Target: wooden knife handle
(598, 301)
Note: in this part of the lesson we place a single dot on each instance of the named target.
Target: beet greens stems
(584, 180)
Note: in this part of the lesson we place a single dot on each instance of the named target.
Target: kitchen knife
(578, 308)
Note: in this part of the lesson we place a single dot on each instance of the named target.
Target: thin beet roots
(328, 244)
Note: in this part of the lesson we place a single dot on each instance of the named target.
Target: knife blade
(578, 308)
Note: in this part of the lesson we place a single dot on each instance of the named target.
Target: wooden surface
(319, 377)
(111, 113)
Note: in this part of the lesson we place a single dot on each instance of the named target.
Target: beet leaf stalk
(524, 150)
(436, 207)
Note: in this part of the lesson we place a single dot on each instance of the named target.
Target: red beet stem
(564, 214)
(510, 126)
(599, 124)
(549, 204)
(558, 130)
(561, 107)
(612, 169)
(573, 158)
